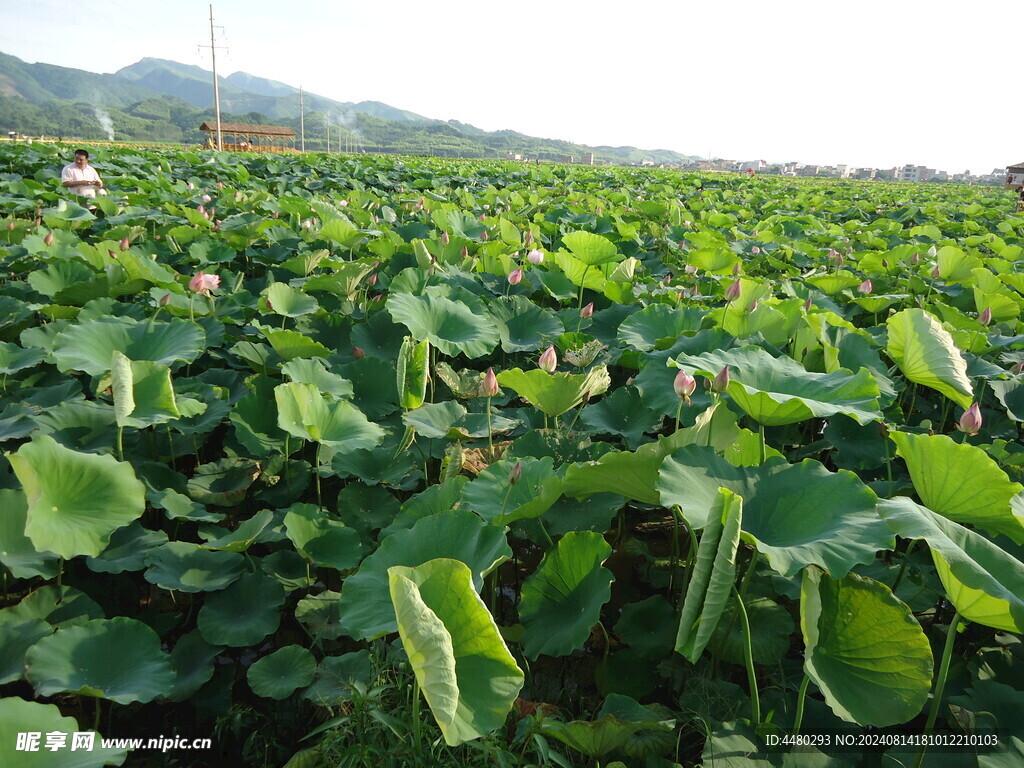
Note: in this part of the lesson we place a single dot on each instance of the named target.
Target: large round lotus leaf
(18, 717)
(593, 738)
(451, 326)
(772, 628)
(961, 482)
(463, 667)
(193, 660)
(797, 514)
(127, 550)
(864, 649)
(591, 249)
(320, 616)
(983, 581)
(562, 599)
(523, 325)
(16, 637)
(365, 603)
(292, 344)
(289, 569)
(118, 659)
(658, 735)
(287, 301)
(244, 536)
(244, 613)
(648, 627)
(556, 393)
(188, 567)
(644, 329)
(323, 540)
(334, 676)
(303, 412)
(778, 390)
(16, 551)
(314, 371)
(499, 501)
(61, 607)
(89, 346)
(75, 500)
(927, 355)
(278, 675)
(621, 413)
(13, 358)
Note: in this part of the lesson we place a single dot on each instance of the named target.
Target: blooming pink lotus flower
(48, 240)
(684, 385)
(515, 276)
(690, 269)
(535, 257)
(206, 198)
(343, 203)
(865, 287)
(204, 283)
(755, 250)
(970, 422)
(491, 387)
(549, 360)
(721, 381)
(587, 311)
(733, 291)
(985, 318)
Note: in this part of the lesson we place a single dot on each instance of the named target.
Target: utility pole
(328, 137)
(302, 120)
(216, 85)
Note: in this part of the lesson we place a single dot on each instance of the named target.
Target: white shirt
(73, 173)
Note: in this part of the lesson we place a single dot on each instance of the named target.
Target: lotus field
(345, 461)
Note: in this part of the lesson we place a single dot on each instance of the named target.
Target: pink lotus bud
(10, 226)
(736, 269)
(113, 255)
(125, 245)
(549, 360)
(684, 384)
(587, 311)
(836, 257)
(515, 276)
(191, 185)
(687, 223)
(733, 291)
(885, 263)
(808, 304)
(516, 473)
(970, 422)
(220, 185)
(985, 318)
(667, 279)
(535, 257)
(755, 250)
(38, 222)
(915, 258)
(206, 198)
(936, 272)
(754, 305)
(357, 353)
(48, 240)
(165, 300)
(491, 387)
(597, 210)
(202, 209)
(527, 237)
(865, 287)
(204, 283)
(464, 253)
(343, 203)
(721, 381)
(372, 280)
(277, 214)
(445, 239)
(484, 236)
(419, 205)
(486, 207)
(1018, 368)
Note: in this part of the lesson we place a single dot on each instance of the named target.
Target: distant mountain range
(156, 99)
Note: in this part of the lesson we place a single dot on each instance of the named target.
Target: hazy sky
(866, 83)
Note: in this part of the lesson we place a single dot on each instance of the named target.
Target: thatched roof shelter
(251, 137)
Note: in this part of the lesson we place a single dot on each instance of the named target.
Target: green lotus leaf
(413, 370)
(499, 501)
(292, 344)
(835, 283)
(621, 413)
(188, 567)
(89, 346)
(279, 674)
(16, 637)
(954, 265)
(341, 232)
(323, 540)
(58, 276)
(193, 659)
(18, 716)
(17, 553)
(117, 659)
(143, 393)
(776, 391)
(75, 500)
(449, 325)
(61, 607)
(713, 574)
(127, 549)
(523, 325)
(223, 482)
(554, 394)
(797, 514)
(244, 613)
(562, 599)
(983, 581)
(927, 355)
(13, 358)
(244, 536)
(457, 535)
(864, 649)
(255, 420)
(462, 665)
(314, 371)
(320, 616)
(451, 419)
(284, 300)
(644, 330)
(657, 736)
(594, 738)
(591, 249)
(332, 684)
(289, 569)
(961, 482)
(303, 412)
(717, 261)
(770, 639)
(648, 627)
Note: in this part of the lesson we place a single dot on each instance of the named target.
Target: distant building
(587, 158)
(914, 173)
(1015, 176)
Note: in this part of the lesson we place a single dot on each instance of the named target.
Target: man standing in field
(81, 177)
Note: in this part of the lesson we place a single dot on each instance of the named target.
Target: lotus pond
(394, 462)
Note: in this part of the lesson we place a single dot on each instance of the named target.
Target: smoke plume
(105, 122)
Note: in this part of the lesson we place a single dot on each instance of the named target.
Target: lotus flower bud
(684, 385)
(690, 269)
(836, 257)
(220, 185)
(10, 226)
(721, 381)
(885, 264)
(527, 237)
(985, 318)
(549, 360)
(515, 276)
(535, 257)
(491, 387)
(276, 214)
(970, 422)
(203, 283)
(587, 311)
(733, 291)
(736, 269)
(445, 239)
(419, 205)
(343, 203)
(754, 305)
(125, 244)
(516, 473)
(935, 272)
(464, 253)
(598, 210)
(191, 185)
(206, 198)
(865, 287)
(916, 258)
(755, 250)
(484, 236)
(113, 255)
(165, 300)
(38, 222)
(667, 279)
(808, 304)
(357, 353)
(48, 240)
(1018, 368)
(201, 208)
(372, 280)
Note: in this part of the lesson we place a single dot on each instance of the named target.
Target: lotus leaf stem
(490, 437)
(940, 682)
(748, 655)
(800, 698)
